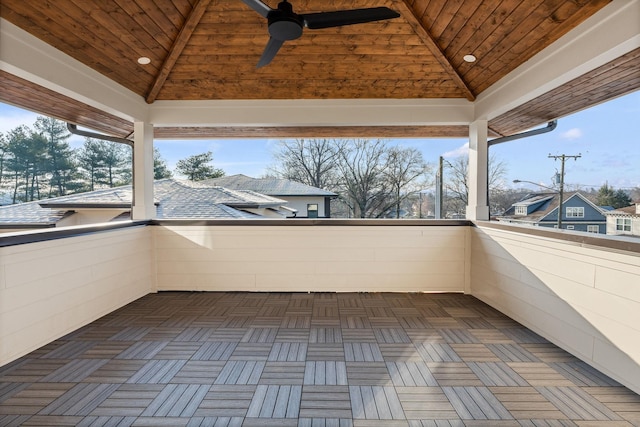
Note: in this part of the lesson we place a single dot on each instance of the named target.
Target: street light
(516, 181)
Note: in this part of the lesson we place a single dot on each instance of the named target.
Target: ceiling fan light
(143, 60)
(469, 58)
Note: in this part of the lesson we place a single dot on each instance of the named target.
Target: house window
(312, 210)
(593, 229)
(623, 224)
(575, 212)
(521, 210)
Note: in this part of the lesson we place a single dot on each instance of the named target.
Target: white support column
(143, 207)
(478, 203)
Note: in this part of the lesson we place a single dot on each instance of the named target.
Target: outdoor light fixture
(469, 58)
(143, 60)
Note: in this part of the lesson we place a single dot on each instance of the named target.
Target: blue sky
(607, 136)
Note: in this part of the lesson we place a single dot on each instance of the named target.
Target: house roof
(270, 186)
(632, 210)
(547, 205)
(174, 199)
(534, 61)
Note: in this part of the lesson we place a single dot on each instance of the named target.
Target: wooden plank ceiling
(203, 49)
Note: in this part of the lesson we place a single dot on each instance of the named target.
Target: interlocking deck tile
(376, 403)
(426, 403)
(275, 401)
(582, 374)
(476, 403)
(512, 352)
(215, 350)
(362, 352)
(81, 399)
(226, 401)
(288, 352)
(75, 370)
(497, 374)
(400, 353)
(368, 373)
(411, 374)
(177, 400)
(577, 404)
(157, 372)
(240, 372)
(437, 352)
(528, 404)
(391, 336)
(325, 373)
(325, 335)
(325, 402)
(178, 359)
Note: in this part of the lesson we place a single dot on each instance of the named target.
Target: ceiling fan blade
(347, 17)
(273, 46)
(258, 6)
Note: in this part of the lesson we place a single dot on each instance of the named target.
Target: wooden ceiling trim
(409, 14)
(178, 46)
(604, 83)
(24, 94)
(180, 133)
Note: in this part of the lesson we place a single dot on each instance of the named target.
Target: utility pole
(563, 158)
(439, 193)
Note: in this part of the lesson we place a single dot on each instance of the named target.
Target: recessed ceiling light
(143, 60)
(469, 58)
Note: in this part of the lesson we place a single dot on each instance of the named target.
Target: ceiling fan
(285, 24)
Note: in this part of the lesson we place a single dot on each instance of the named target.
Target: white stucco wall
(51, 288)
(584, 299)
(312, 258)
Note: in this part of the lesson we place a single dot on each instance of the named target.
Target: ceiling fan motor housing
(284, 24)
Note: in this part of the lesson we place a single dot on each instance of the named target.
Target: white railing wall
(51, 288)
(326, 258)
(583, 298)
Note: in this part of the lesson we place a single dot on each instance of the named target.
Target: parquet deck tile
(298, 359)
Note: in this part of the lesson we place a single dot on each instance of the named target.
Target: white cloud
(572, 134)
(460, 151)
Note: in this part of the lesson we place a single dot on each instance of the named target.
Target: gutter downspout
(550, 127)
(74, 130)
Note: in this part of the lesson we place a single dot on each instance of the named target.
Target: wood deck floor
(288, 359)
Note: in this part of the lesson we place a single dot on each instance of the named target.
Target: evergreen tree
(26, 162)
(607, 196)
(198, 167)
(160, 168)
(60, 156)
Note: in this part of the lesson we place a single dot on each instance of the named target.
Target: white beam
(321, 112)
(143, 207)
(478, 203)
(608, 34)
(28, 57)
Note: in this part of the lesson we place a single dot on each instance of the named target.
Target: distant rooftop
(173, 199)
(270, 186)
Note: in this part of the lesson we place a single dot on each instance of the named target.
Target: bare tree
(457, 185)
(309, 161)
(403, 168)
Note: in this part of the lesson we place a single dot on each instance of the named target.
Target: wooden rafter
(410, 16)
(178, 46)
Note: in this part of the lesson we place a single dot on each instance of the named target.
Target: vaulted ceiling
(208, 50)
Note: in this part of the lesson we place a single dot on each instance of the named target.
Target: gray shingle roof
(270, 186)
(173, 199)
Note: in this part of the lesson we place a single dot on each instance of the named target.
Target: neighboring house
(310, 202)
(174, 199)
(624, 221)
(541, 210)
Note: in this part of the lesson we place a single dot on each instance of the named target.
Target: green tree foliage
(198, 167)
(27, 163)
(60, 164)
(104, 163)
(160, 168)
(607, 196)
